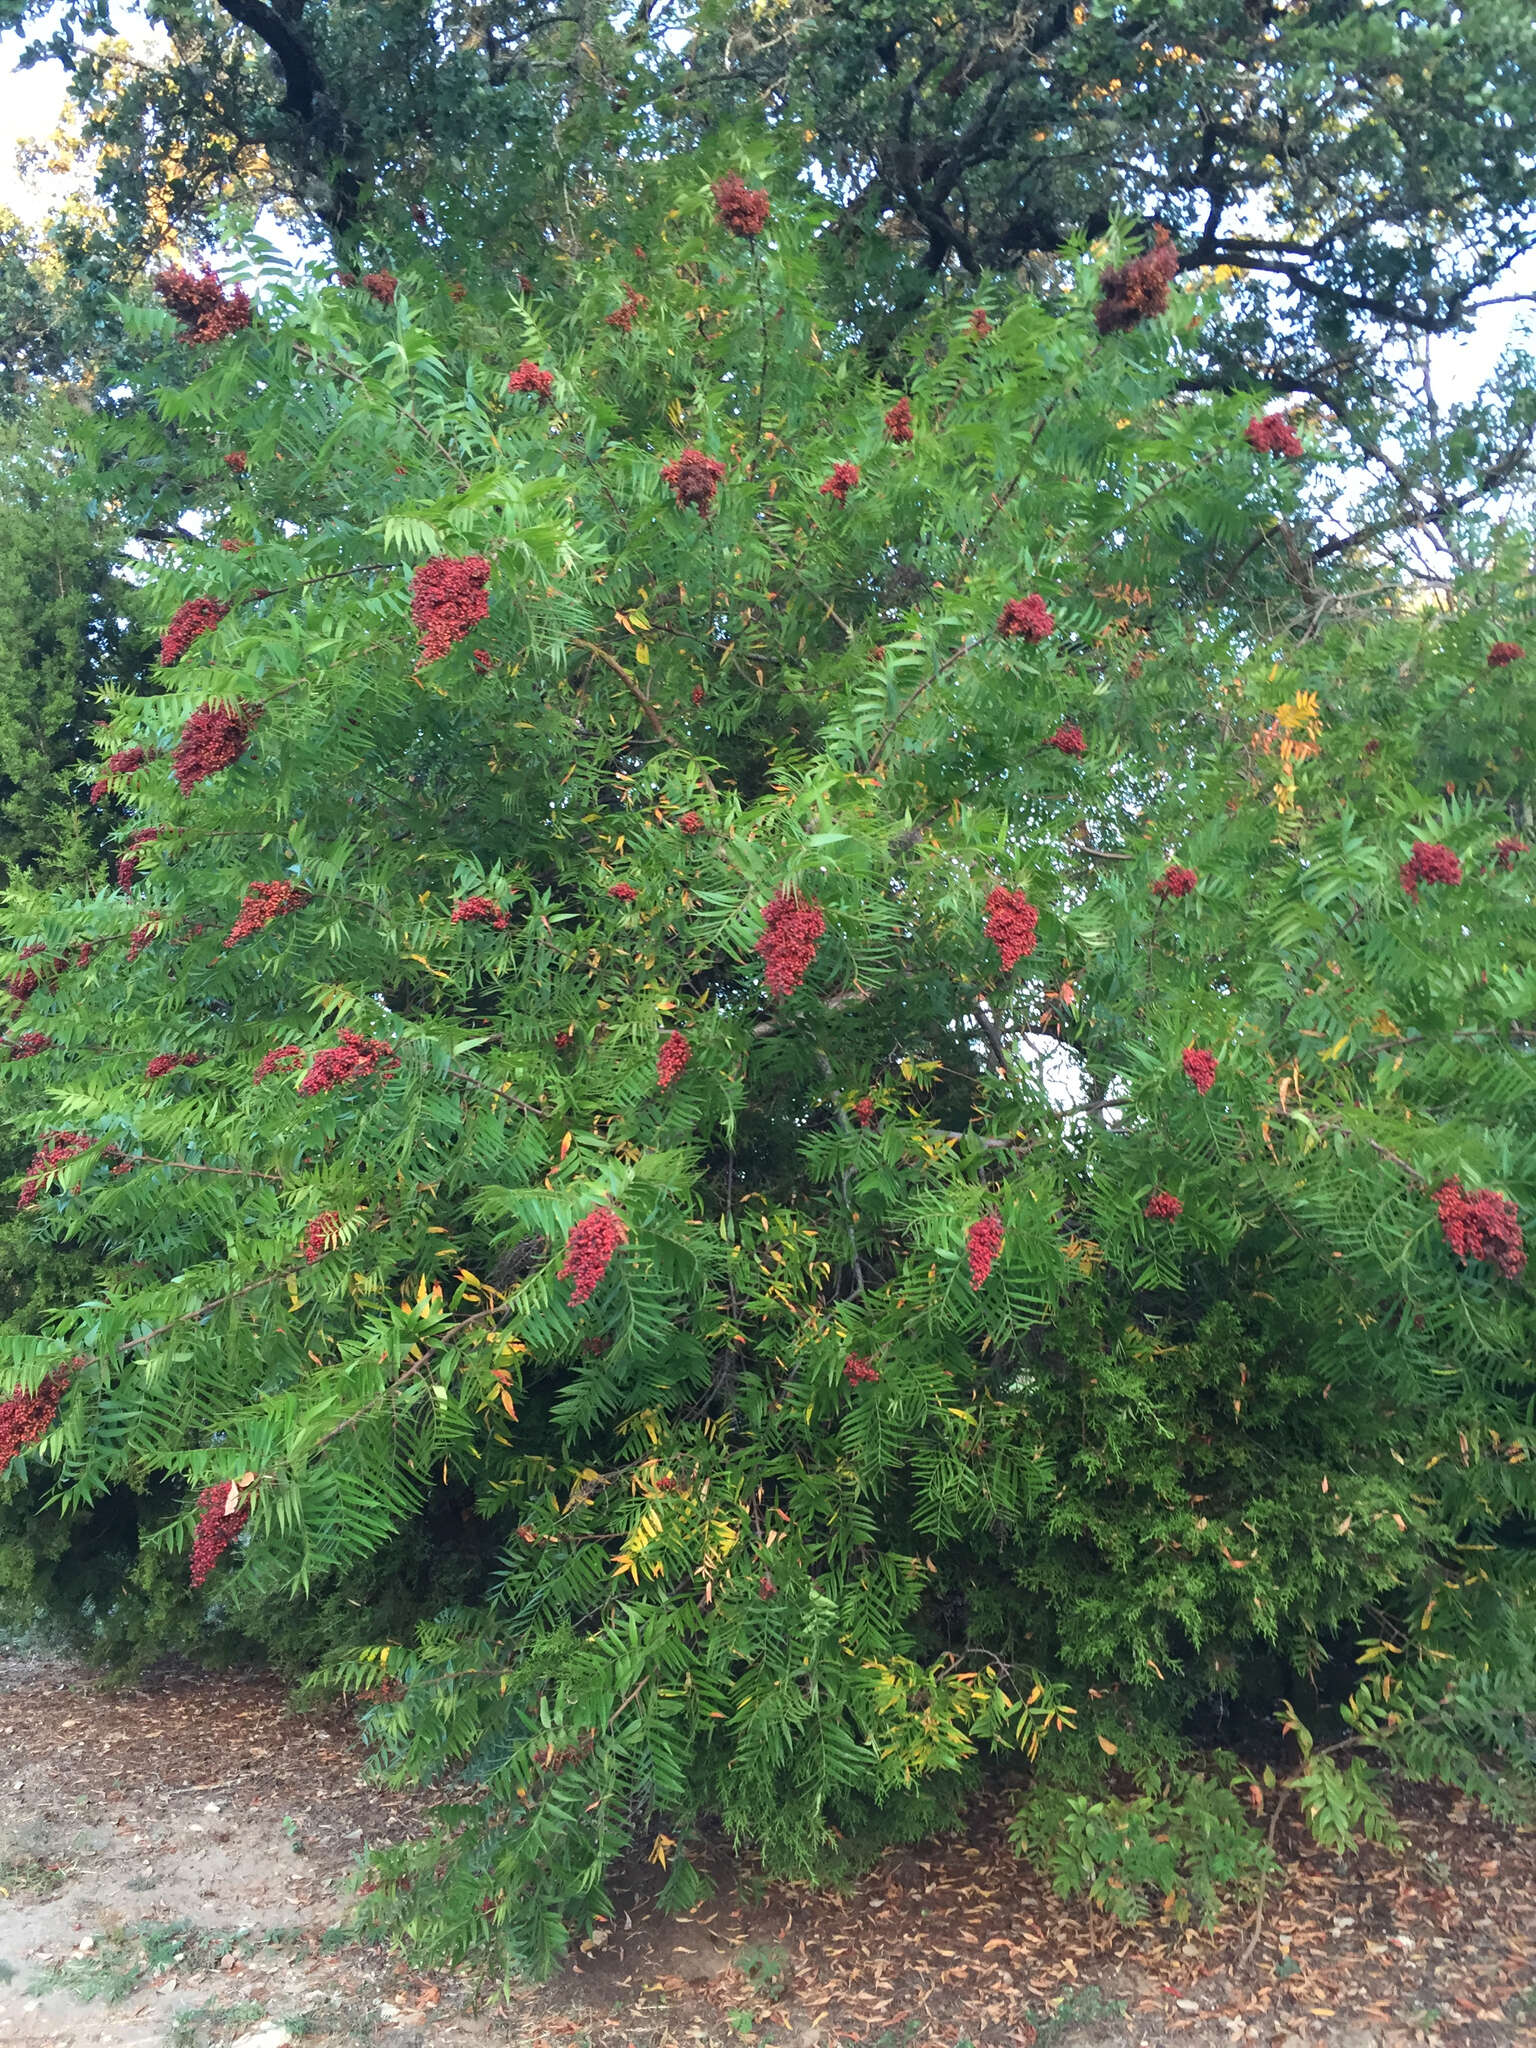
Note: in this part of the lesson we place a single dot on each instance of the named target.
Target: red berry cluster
(282, 1059)
(1068, 739)
(1428, 862)
(321, 1235)
(218, 1524)
(381, 285)
(167, 1062)
(1273, 435)
(788, 946)
(1011, 924)
(857, 1371)
(623, 892)
(355, 1059)
(206, 312)
(690, 823)
(624, 318)
(25, 1418)
(483, 660)
(898, 422)
(1482, 1226)
(1505, 851)
(588, 1250)
(1163, 1208)
(125, 762)
(213, 738)
(479, 910)
(674, 1056)
(27, 1045)
(528, 376)
(262, 902)
(844, 478)
(739, 207)
(980, 326)
(1200, 1067)
(1175, 881)
(983, 1242)
(864, 1112)
(128, 862)
(1025, 618)
(236, 460)
(139, 938)
(698, 694)
(1503, 652)
(447, 598)
(197, 616)
(694, 479)
(1132, 292)
(53, 1151)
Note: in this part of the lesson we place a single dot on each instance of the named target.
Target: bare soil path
(175, 1855)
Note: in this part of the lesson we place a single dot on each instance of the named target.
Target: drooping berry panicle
(448, 597)
(264, 901)
(322, 1234)
(54, 1150)
(980, 325)
(1200, 1068)
(858, 1371)
(1011, 925)
(26, 1418)
(864, 1112)
(788, 945)
(206, 311)
(983, 1242)
(479, 910)
(588, 1251)
(1068, 739)
(189, 622)
(674, 1056)
(127, 761)
(128, 862)
(1428, 862)
(381, 285)
(530, 377)
(26, 1045)
(1163, 1207)
(1132, 292)
(165, 1063)
(690, 823)
(693, 479)
(237, 460)
(355, 1059)
(144, 935)
(844, 478)
(1275, 436)
(624, 318)
(1175, 881)
(1025, 618)
(898, 422)
(741, 208)
(624, 892)
(213, 738)
(1484, 1225)
(1503, 652)
(282, 1059)
(222, 1512)
(1506, 852)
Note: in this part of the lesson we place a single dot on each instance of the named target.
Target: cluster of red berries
(53, 1151)
(1482, 1226)
(1068, 739)
(262, 902)
(624, 318)
(1428, 862)
(321, 1235)
(624, 892)
(857, 1371)
(980, 325)
(1503, 652)
(1025, 618)
(483, 660)
(740, 207)
(674, 1056)
(1175, 881)
(1132, 292)
(26, 1418)
(528, 376)
(213, 738)
(864, 1112)
(1505, 850)
(221, 1515)
(139, 938)
(206, 311)
(690, 822)
(381, 285)
(355, 1059)
(1200, 1067)
(788, 946)
(983, 1242)
(1011, 925)
(698, 694)
(898, 422)
(447, 598)
(694, 480)
(1163, 1208)
(588, 1251)
(844, 478)
(128, 861)
(1273, 435)
(167, 1062)
(125, 762)
(26, 1045)
(479, 910)
(282, 1059)
(197, 616)
(236, 460)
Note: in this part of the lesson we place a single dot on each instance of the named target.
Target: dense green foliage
(1161, 1452)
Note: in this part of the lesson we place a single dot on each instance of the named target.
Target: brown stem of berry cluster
(889, 732)
(187, 1166)
(652, 715)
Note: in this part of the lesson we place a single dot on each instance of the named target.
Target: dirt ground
(175, 1856)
